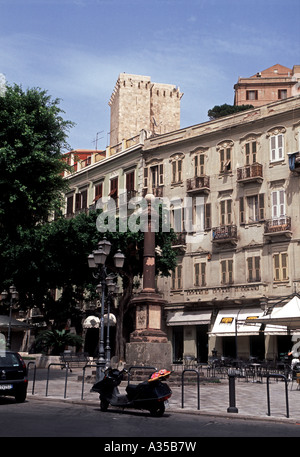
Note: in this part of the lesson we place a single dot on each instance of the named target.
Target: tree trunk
(122, 310)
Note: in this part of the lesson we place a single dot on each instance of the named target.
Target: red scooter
(151, 395)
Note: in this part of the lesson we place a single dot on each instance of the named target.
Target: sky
(76, 49)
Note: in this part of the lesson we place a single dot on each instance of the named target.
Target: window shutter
(196, 165)
(257, 268)
(145, 177)
(223, 272)
(207, 223)
(77, 202)
(276, 267)
(229, 211)
(281, 203)
(250, 269)
(197, 282)
(203, 274)
(230, 271)
(247, 150)
(242, 210)
(161, 175)
(273, 148)
(223, 212)
(274, 204)
(280, 146)
(84, 199)
(284, 268)
(174, 171)
(261, 207)
(179, 165)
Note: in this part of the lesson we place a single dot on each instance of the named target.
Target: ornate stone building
(232, 189)
(233, 193)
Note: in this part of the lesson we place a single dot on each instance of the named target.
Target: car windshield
(8, 360)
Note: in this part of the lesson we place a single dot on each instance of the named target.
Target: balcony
(198, 184)
(180, 241)
(280, 226)
(156, 191)
(250, 173)
(224, 234)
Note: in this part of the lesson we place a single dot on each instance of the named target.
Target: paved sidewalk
(251, 398)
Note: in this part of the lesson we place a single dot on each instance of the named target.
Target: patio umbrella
(287, 315)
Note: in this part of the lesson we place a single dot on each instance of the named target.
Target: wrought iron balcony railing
(197, 184)
(250, 173)
(224, 233)
(277, 226)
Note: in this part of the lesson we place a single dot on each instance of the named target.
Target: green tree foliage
(56, 341)
(32, 136)
(54, 255)
(226, 110)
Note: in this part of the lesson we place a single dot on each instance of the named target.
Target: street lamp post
(13, 296)
(96, 262)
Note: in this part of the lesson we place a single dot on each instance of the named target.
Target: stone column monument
(148, 343)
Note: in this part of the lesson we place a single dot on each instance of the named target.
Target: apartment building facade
(232, 186)
(232, 190)
(274, 83)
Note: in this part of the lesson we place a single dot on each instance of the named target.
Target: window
(98, 191)
(226, 212)
(207, 216)
(250, 152)
(77, 202)
(225, 160)
(253, 269)
(280, 262)
(282, 94)
(176, 171)
(199, 167)
(84, 199)
(114, 188)
(252, 209)
(278, 204)
(130, 181)
(198, 216)
(251, 94)
(200, 274)
(177, 278)
(153, 176)
(70, 205)
(277, 147)
(226, 271)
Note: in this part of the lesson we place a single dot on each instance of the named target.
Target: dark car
(13, 375)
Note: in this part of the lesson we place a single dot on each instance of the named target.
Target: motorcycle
(151, 395)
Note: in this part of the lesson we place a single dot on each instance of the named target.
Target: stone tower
(136, 104)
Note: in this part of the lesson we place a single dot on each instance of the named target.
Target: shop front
(188, 332)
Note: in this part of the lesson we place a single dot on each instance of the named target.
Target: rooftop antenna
(97, 138)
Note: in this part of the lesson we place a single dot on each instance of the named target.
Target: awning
(287, 315)
(112, 319)
(188, 318)
(225, 324)
(14, 324)
(91, 322)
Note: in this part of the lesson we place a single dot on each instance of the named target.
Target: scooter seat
(131, 388)
(134, 389)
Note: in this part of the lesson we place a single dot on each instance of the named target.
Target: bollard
(232, 408)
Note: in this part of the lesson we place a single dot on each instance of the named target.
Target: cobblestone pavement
(251, 399)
